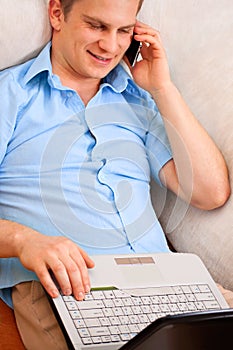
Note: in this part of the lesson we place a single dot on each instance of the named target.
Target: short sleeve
(158, 146)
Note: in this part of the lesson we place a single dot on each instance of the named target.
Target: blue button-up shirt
(79, 171)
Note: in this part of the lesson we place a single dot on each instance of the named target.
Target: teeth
(101, 58)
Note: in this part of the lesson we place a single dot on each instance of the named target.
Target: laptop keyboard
(110, 315)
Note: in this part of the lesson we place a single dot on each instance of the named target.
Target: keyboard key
(83, 332)
(75, 314)
(120, 294)
(106, 339)
(133, 319)
(92, 322)
(118, 302)
(117, 311)
(108, 303)
(71, 305)
(127, 301)
(124, 329)
(90, 304)
(108, 312)
(137, 301)
(204, 296)
(97, 295)
(115, 321)
(68, 298)
(87, 341)
(204, 288)
(114, 330)
(88, 297)
(182, 306)
(133, 328)
(173, 298)
(137, 310)
(104, 321)
(127, 310)
(192, 306)
(115, 338)
(200, 305)
(195, 288)
(155, 299)
(186, 289)
(211, 304)
(182, 298)
(146, 300)
(109, 294)
(143, 318)
(99, 331)
(190, 297)
(92, 313)
(124, 319)
(125, 337)
(96, 340)
(177, 290)
(79, 323)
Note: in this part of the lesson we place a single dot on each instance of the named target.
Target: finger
(145, 27)
(47, 281)
(144, 51)
(89, 262)
(79, 280)
(59, 268)
(83, 262)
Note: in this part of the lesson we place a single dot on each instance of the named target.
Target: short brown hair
(67, 5)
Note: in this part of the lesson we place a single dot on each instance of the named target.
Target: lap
(35, 319)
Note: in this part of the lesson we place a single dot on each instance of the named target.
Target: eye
(96, 26)
(126, 30)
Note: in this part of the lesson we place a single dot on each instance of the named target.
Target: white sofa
(198, 39)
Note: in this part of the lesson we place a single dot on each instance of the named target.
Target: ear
(56, 15)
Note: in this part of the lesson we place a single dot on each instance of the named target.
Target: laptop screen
(198, 331)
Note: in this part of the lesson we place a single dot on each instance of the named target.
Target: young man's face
(93, 37)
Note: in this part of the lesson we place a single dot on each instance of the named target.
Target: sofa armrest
(9, 335)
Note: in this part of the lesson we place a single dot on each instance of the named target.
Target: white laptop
(129, 292)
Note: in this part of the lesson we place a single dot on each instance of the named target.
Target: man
(79, 141)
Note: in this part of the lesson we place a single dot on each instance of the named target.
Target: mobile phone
(133, 51)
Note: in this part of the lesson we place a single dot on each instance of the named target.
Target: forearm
(11, 233)
(202, 175)
(40, 253)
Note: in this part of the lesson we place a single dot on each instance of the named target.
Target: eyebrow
(96, 19)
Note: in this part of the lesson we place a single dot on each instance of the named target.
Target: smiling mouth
(100, 58)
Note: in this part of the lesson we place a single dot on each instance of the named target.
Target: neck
(86, 89)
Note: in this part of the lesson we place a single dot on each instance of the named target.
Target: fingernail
(54, 293)
(80, 296)
(87, 288)
(67, 292)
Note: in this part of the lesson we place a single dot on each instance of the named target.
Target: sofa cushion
(26, 30)
(198, 39)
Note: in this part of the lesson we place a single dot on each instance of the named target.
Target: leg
(228, 295)
(35, 319)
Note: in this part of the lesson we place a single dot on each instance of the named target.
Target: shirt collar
(40, 64)
(117, 79)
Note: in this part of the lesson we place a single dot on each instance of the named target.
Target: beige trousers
(36, 322)
(35, 319)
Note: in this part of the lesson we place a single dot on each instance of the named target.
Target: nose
(109, 42)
